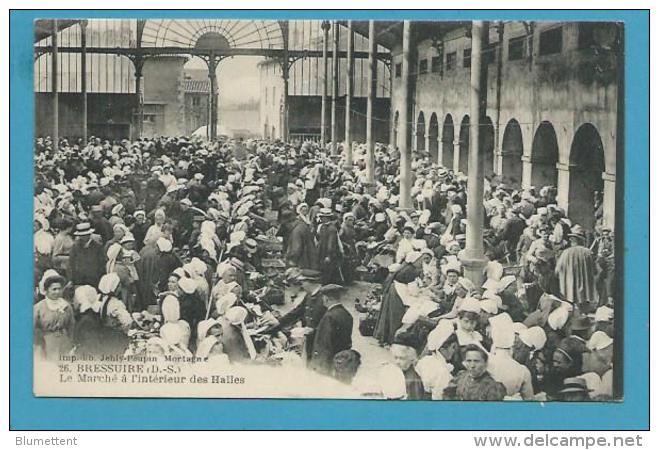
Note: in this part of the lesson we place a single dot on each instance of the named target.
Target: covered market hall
(395, 209)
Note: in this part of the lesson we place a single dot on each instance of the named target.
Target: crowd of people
(236, 252)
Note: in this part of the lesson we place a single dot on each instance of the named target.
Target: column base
(473, 269)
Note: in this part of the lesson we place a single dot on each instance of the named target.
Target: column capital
(608, 176)
(526, 158)
(563, 167)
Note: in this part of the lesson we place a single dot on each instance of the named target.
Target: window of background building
(423, 66)
(436, 64)
(399, 70)
(593, 34)
(466, 57)
(516, 47)
(551, 41)
(489, 54)
(450, 60)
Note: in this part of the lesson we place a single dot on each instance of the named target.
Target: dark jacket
(334, 334)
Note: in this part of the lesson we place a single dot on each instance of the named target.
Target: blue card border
(27, 412)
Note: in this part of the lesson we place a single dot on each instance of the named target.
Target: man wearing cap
(101, 225)
(334, 332)
(575, 269)
(87, 258)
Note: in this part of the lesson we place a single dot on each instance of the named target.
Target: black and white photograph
(328, 209)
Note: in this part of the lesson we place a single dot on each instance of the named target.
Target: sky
(238, 78)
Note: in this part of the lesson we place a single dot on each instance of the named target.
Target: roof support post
(404, 121)
(335, 87)
(370, 103)
(55, 86)
(473, 258)
(323, 102)
(349, 92)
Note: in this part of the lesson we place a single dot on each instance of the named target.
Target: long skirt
(391, 314)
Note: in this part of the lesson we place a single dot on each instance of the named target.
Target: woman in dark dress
(392, 308)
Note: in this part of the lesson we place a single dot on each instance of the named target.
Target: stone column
(456, 154)
(472, 257)
(527, 169)
(370, 103)
(349, 92)
(405, 201)
(323, 102)
(609, 199)
(563, 187)
(55, 86)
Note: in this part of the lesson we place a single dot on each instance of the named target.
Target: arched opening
(421, 132)
(433, 135)
(512, 149)
(586, 167)
(463, 162)
(487, 146)
(544, 156)
(395, 131)
(447, 142)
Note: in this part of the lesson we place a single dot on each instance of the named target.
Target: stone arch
(421, 132)
(447, 142)
(587, 163)
(544, 156)
(512, 149)
(463, 158)
(433, 138)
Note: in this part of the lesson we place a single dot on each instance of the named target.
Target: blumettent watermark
(54, 441)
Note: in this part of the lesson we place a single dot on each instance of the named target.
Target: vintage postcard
(348, 209)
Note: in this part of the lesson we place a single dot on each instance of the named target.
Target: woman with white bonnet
(53, 319)
(175, 331)
(113, 313)
(398, 293)
(435, 369)
(237, 343)
(88, 337)
(155, 231)
(192, 308)
(228, 284)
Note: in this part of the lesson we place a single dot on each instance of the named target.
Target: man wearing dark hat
(334, 332)
(87, 259)
(574, 390)
(580, 332)
(575, 269)
(101, 225)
